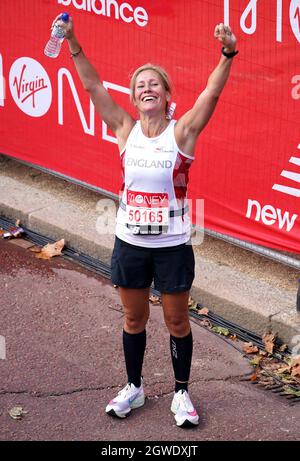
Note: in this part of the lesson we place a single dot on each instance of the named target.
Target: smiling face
(149, 93)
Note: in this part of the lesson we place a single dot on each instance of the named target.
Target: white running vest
(155, 178)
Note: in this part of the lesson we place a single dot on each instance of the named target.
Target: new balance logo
(293, 176)
(270, 215)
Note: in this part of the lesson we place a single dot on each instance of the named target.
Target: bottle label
(58, 32)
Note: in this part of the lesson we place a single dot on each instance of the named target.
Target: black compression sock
(181, 351)
(134, 347)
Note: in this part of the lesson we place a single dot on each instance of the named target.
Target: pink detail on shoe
(112, 402)
(192, 413)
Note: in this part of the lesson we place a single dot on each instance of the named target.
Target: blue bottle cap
(64, 17)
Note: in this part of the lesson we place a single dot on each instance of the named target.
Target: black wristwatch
(229, 55)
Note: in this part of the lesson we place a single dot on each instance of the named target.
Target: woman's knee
(135, 324)
(178, 326)
(136, 309)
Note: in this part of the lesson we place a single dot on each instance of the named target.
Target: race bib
(149, 212)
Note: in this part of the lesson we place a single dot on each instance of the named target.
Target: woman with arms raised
(153, 228)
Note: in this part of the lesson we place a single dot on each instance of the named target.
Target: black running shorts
(171, 268)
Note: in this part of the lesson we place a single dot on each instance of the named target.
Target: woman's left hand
(226, 37)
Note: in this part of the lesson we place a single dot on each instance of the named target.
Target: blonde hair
(159, 70)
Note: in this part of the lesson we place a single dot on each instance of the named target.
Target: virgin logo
(30, 86)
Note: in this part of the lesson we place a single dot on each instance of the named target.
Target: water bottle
(298, 297)
(52, 48)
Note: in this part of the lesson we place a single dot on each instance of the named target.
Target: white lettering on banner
(270, 215)
(89, 130)
(295, 18)
(2, 83)
(127, 7)
(30, 87)
(279, 21)
(111, 8)
(226, 12)
(121, 89)
(295, 160)
(290, 175)
(250, 9)
(249, 17)
(295, 93)
(28, 79)
(63, 72)
(287, 190)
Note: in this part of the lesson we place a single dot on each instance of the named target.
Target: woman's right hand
(68, 27)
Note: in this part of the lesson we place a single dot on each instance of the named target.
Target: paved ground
(62, 325)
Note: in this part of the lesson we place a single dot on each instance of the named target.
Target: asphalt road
(62, 327)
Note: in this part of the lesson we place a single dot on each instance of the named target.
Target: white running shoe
(184, 411)
(128, 398)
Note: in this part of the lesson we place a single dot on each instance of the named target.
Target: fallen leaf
(287, 378)
(205, 323)
(221, 331)
(51, 249)
(263, 353)
(267, 381)
(17, 412)
(256, 361)
(233, 337)
(269, 341)
(295, 366)
(254, 377)
(289, 391)
(35, 249)
(17, 223)
(284, 369)
(283, 347)
(154, 299)
(272, 364)
(192, 304)
(295, 360)
(249, 348)
(288, 360)
(203, 311)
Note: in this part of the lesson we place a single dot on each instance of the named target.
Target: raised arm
(117, 119)
(190, 125)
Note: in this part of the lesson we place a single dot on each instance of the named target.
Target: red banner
(247, 166)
